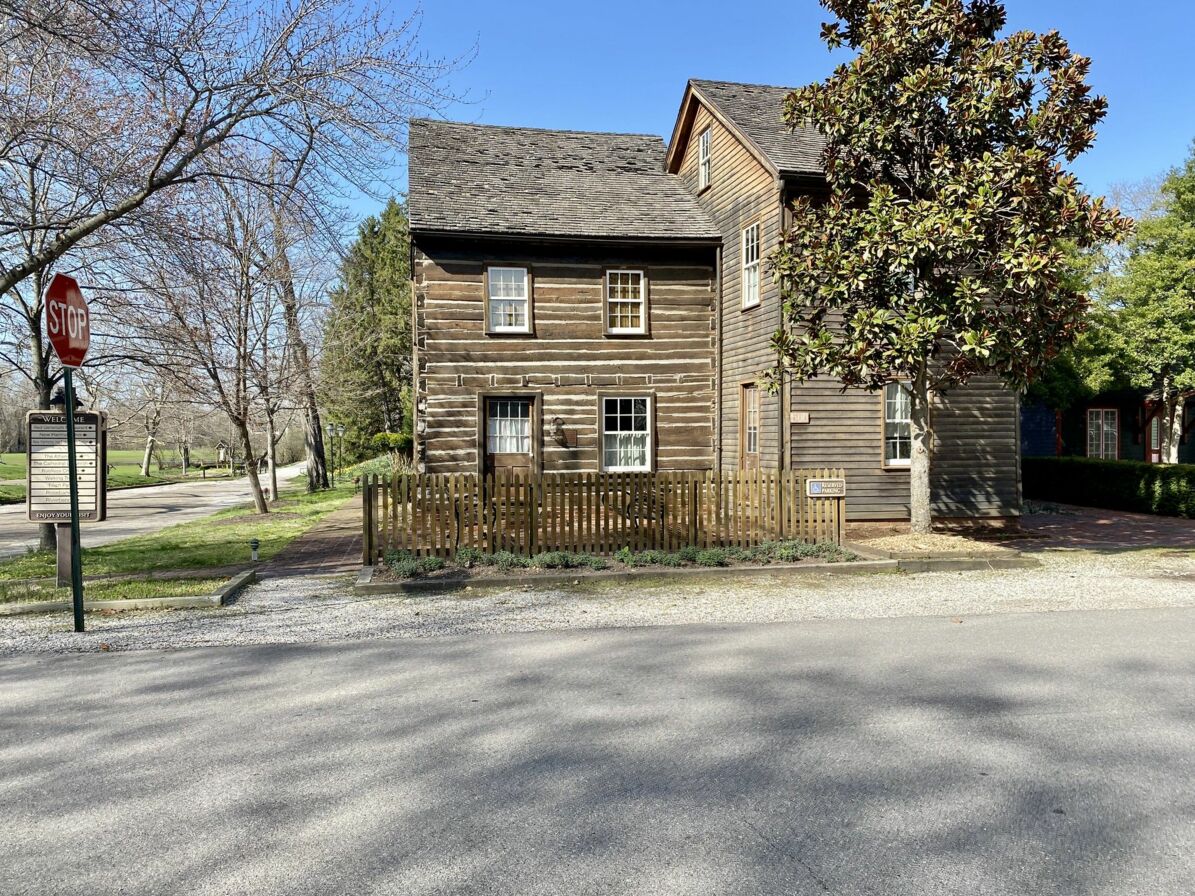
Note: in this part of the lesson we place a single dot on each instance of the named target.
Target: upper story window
(703, 160)
(626, 434)
(626, 302)
(898, 425)
(508, 300)
(750, 275)
(1103, 433)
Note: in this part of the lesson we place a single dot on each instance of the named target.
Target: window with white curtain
(898, 425)
(508, 300)
(626, 434)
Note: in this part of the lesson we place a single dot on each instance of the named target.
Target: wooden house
(592, 301)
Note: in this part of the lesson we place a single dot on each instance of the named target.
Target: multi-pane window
(898, 425)
(1103, 433)
(508, 426)
(751, 266)
(626, 307)
(750, 420)
(626, 434)
(703, 160)
(507, 300)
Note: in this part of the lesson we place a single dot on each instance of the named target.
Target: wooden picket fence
(435, 514)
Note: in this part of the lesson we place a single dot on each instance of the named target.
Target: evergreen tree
(366, 361)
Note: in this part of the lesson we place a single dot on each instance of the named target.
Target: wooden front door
(749, 427)
(508, 433)
(1153, 439)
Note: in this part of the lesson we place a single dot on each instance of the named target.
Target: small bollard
(254, 544)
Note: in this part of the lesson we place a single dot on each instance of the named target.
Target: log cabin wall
(569, 364)
(742, 192)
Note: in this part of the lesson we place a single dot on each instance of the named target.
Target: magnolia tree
(940, 251)
(1150, 316)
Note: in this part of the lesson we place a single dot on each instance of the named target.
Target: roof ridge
(742, 83)
(534, 130)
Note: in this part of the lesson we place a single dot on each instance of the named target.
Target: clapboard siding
(741, 192)
(569, 362)
(975, 463)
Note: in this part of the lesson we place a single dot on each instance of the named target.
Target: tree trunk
(313, 435)
(920, 497)
(271, 457)
(43, 385)
(259, 499)
(1172, 428)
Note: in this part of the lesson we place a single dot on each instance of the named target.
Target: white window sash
(620, 443)
(896, 422)
(703, 163)
(611, 302)
(507, 303)
(1103, 433)
(749, 244)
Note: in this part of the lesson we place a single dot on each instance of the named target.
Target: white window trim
(750, 302)
(899, 463)
(704, 158)
(1104, 415)
(651, 434)
(627, 331)
(490, 298)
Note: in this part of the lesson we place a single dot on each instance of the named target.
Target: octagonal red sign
(67, 320)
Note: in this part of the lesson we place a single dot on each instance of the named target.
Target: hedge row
(1166, 489)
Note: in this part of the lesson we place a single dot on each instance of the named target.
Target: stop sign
(67, 320)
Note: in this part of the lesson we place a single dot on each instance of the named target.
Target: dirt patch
(932, 545)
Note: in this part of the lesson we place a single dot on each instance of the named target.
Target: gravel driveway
(326, 609)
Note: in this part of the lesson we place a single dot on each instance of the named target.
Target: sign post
(69, 327)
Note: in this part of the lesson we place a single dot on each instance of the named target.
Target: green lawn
(124, 472)
(217, 541)
(24, 592)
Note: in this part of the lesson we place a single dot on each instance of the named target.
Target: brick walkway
(331, 547)
(1089, 528)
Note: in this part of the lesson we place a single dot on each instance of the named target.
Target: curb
(954, 561)
(190, 602)
(366, 585)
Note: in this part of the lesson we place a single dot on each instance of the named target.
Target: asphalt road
(137, 511)
(1018, 754)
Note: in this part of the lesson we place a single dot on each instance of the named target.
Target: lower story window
(626, 434)
(1103, 433)
(898, 425)
(508, 426)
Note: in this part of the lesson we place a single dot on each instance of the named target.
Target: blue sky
(621, 66)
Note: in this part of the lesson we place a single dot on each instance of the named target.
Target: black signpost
(69, 326)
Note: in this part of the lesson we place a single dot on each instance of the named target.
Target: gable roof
(483, 179)
(753, 112)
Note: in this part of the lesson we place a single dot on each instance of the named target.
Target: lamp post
(332, 450)
(340, 435)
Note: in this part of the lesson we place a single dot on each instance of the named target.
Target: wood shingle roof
(755, 110)
(470, 178)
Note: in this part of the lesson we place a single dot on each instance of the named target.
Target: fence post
(366, 522)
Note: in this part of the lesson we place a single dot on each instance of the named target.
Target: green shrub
(689, 553)
(1164, 489)
(467, 558)
(567, 560)
(712, 557)
(624, 556)
(391, 442)
(406, 568)
(431, 564)
(507, 561)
